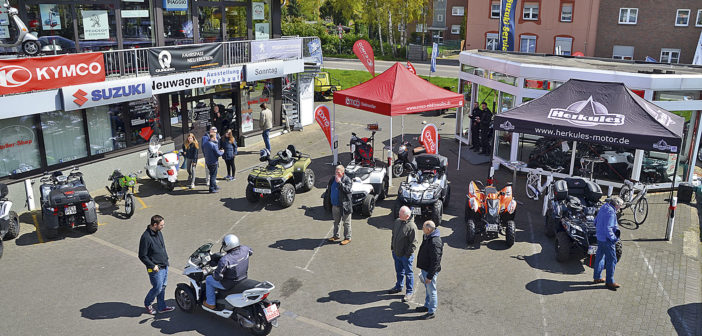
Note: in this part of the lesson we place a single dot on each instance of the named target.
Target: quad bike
(281, 176)
(122, 188)
(9, 222)
(370, 180)
(571, 217)
(427, 189)
(66, 203)
(489, 212)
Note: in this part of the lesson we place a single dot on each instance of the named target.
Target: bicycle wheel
(640, 210)
(531, 185)
(625, 194)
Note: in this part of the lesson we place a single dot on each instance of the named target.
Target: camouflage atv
(284, 174)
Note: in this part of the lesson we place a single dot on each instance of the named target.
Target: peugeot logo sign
(14, 76)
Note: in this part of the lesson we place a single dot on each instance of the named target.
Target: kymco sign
(44, 73)
(321, 115)
(430, 139)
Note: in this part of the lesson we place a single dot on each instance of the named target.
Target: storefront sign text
(265, 70)
(196, 79)
(175, 5)
(167, 60)
(111, 92)
(18, 143)
(43, 73)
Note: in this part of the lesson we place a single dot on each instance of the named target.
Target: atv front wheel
(618, 247)
(549, 225)
(170, 186)
(287, 195)
(1, 248)
(308, 180)
(437, 211)
(510, 232)
(368, 205)
(13, 229)
(91, 227)
(384, 190)
(470, 232)
(562, 246)
(251, 196)
(447, 197)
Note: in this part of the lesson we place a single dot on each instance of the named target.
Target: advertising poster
(509, 7)
(4, 18)
(259, 11)
(95, 25)
(50, 18)
(315, 49)
(4, 32)
(262, 31)
(163, 61)
(247, 122)
(364, 52)
(276, 49)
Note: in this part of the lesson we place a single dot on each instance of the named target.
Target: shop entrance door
(199, 111)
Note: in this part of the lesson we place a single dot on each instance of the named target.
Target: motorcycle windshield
(154, 144)
(202, 249)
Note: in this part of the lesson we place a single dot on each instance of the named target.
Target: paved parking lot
(94, 284)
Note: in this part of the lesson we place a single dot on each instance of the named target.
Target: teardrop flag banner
(364, 52)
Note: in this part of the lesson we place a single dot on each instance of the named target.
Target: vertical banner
(364, 52)
(321, 115)
(434, 53)
(430, 139)
(697, 60)
(411, 68)
(507, 25)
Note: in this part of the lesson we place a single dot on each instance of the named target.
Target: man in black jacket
(429, 261)
(475, 127)
(339, 191)
(152, 252)
(485, 129)
(403, 244)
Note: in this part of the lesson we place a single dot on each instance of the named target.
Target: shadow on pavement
(297, 244)
(111, 310)
(551, 287)
(316, 213)
(686, 318)
(346, 296)
(546, 261)
(380, 317)
(242, 204)
(382, 222)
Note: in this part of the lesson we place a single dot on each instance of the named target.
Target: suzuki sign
(44, 73)
(110, 92)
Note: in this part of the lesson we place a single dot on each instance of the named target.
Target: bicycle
(636, 201)
(534, 188)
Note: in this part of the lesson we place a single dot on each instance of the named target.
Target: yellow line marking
(36, 227)
(101, 224)
(143, 205)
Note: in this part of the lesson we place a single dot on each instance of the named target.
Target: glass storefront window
(500, 77)
(466, 89)
(657, 167)
(144, 120)
(676, 95)
(542, 152)
(261, 17)
(608, 163)
(541, 84)
(96, 27)
(19, 147)
(64, 136)
(137, 23)
(106, 129)
(210, 21)
(177, 27)
(252, 95)
(480, 72)
(236, 23)
(467, 68)
(53, 25)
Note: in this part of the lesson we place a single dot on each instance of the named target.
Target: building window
(628, 15)
(440, 17)
(136, 24)
(491, 41)
(261, 17)
(457, 11)
(495, 9)
(455, 29)
(64, 136)
(106, 129)
(698, 23)
(527, 44)
(177, 27)
(19, 147)
(420, 28)
(531, 11)
(623, 52)
(567, 12)
(96, 27)
(400, 27)
(53, 25)
(670, 55)
(682, 18)
(563, 46)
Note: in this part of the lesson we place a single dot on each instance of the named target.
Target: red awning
(397, 91)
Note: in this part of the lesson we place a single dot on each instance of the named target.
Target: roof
(397, 91)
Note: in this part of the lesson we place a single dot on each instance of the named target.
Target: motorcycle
(362, 149)
(122, 188)
(247, 302)
(403, 163)
(9, 222)
(161, 167)
(66, 202)
(28, 43)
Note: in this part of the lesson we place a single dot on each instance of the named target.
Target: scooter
(403, 163)
(161, 167)
(28, 42)
(247, 302)
(9, 222)
(362, 149)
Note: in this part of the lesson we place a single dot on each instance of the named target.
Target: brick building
(667, 31)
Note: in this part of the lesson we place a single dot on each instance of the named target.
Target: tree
(294, 10)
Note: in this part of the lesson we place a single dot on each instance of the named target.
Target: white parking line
(306, 268)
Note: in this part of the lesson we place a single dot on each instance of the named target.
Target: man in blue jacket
(212, 154)
(232, 268)
(607, 236)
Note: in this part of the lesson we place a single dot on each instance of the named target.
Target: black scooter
(403, 163)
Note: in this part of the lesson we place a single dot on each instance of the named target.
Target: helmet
(264, 155)
(229, 242)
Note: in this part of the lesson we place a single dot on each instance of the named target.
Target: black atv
(571, 217)
(9, 222)
(427, 190)
(66, 203)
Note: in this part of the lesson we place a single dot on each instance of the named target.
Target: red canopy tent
(396, 91)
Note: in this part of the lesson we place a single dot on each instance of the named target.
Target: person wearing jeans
(266, 123)
(606, 230)
(402, 245)
(190, 149)
(339, 191)
(429, 261)
(212, 154)
(152, 252)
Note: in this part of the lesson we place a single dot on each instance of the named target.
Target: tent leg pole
(458, 163)
(403, 128)
(672, 204)
(335, 151)
(390, 156)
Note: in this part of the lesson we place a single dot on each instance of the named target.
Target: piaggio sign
(45, 73)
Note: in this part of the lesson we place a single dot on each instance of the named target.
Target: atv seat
(587, 191)
(294, 151)
(240, 287)
(426, 162)
(361, 172)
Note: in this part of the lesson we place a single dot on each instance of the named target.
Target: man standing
(475, 127)
(206, 139)
(212, 154)
(266, 123)
(403, 244)
(485, 129)
(607, 237)
(429, 261)
(339, 191)
(152, 252)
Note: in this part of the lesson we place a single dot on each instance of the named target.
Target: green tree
(293, 9)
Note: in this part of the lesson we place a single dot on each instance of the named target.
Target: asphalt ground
(94, 284)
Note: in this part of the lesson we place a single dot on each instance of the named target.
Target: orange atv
(493, 211)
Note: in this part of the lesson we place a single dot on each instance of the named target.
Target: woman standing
(228, 144)
(190, 148)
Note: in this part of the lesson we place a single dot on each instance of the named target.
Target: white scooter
(247, 302)
(9, 221)
(161, 167)
(28, 42)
